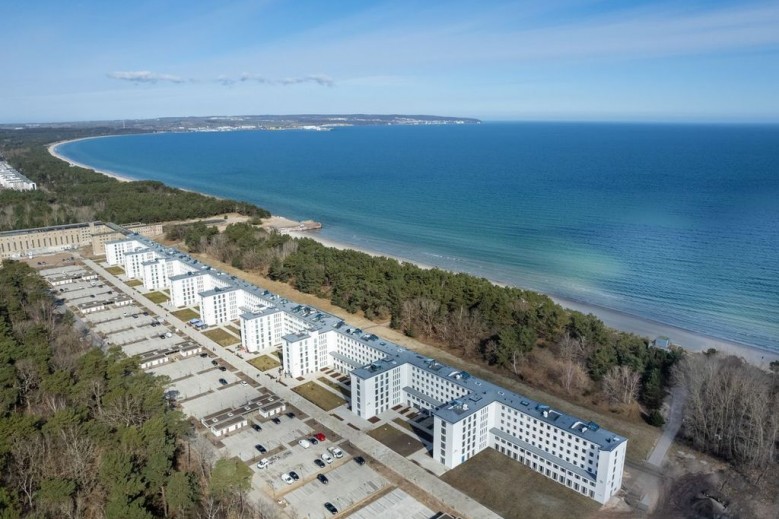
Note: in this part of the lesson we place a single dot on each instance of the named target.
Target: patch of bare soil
(700, 488)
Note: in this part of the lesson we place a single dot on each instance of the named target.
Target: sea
(674, 224)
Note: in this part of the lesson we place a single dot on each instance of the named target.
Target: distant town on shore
(223, 123)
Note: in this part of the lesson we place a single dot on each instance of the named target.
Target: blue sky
(496, 60)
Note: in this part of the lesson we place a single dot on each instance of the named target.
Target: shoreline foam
(687, 339)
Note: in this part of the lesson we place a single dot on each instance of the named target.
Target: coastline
(53, 151)
(686, 339)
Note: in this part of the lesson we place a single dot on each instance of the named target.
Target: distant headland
(226, 123)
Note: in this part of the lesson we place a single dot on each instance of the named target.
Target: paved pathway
(675, 416)
(406, 469)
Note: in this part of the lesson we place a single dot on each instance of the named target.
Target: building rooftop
(479, 393)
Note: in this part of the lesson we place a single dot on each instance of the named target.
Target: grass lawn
(221, 337)
(265, 362)
(234, 330)
(186, 314)
(318, 395)
(399, 442)
(115, 270)
(157, 297)
(133, 282)
(514, 491)
(336, 386)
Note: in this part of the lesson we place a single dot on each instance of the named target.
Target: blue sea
(677, 224)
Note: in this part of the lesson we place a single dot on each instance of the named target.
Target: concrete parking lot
(184, 367)
(392, 505)
(241, 444)
(108, 314)
(229, 396)
(349, 485)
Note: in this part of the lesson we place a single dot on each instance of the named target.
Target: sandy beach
(687, 339)
(53, 150)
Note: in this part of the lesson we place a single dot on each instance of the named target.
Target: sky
(577, 60)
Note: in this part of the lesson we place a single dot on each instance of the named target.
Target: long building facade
(45, 240)
(469, 414)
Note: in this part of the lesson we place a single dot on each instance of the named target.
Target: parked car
(222, 368)
(294, 475)
(304, 443)
(335, 451)
(327, 458)
(204, 355)
(223, 381)
(290, 415)
(360, 460)
(319, 463)
(286, 479)
(260, 448)
(214, 362)
(322, 479)
(313, 440)
(276, 421)
(256, 427)
(321, 437)
(330, 508)
(263, 463)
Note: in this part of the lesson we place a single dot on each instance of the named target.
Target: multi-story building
(469, 414)
(10, 178)
(45, 240)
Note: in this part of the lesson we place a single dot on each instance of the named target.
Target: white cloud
(145, 76)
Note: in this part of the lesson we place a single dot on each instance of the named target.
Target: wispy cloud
(318, 79)
(145, 76)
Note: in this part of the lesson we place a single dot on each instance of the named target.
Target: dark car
(313, 440)
(204, 355)
(222, 368)
(294, 475)
(223, 381)
(276, 421)
(322, 479)
(260, 448)
(360, 460)
(256, 427)
(319, 463)
(290, 415)
(330, 508)
(215, 363)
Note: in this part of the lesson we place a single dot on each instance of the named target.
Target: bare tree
(621, 384)
(732, 409)
(572, 376)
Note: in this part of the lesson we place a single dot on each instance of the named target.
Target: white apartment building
(10, 178)
(469, 414)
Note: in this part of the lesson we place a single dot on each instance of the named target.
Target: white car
(286, 478)
(304, 443)
(327, 458)
(335, 451)
(263, 463)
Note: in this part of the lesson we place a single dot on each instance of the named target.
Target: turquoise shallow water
(673, 223)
